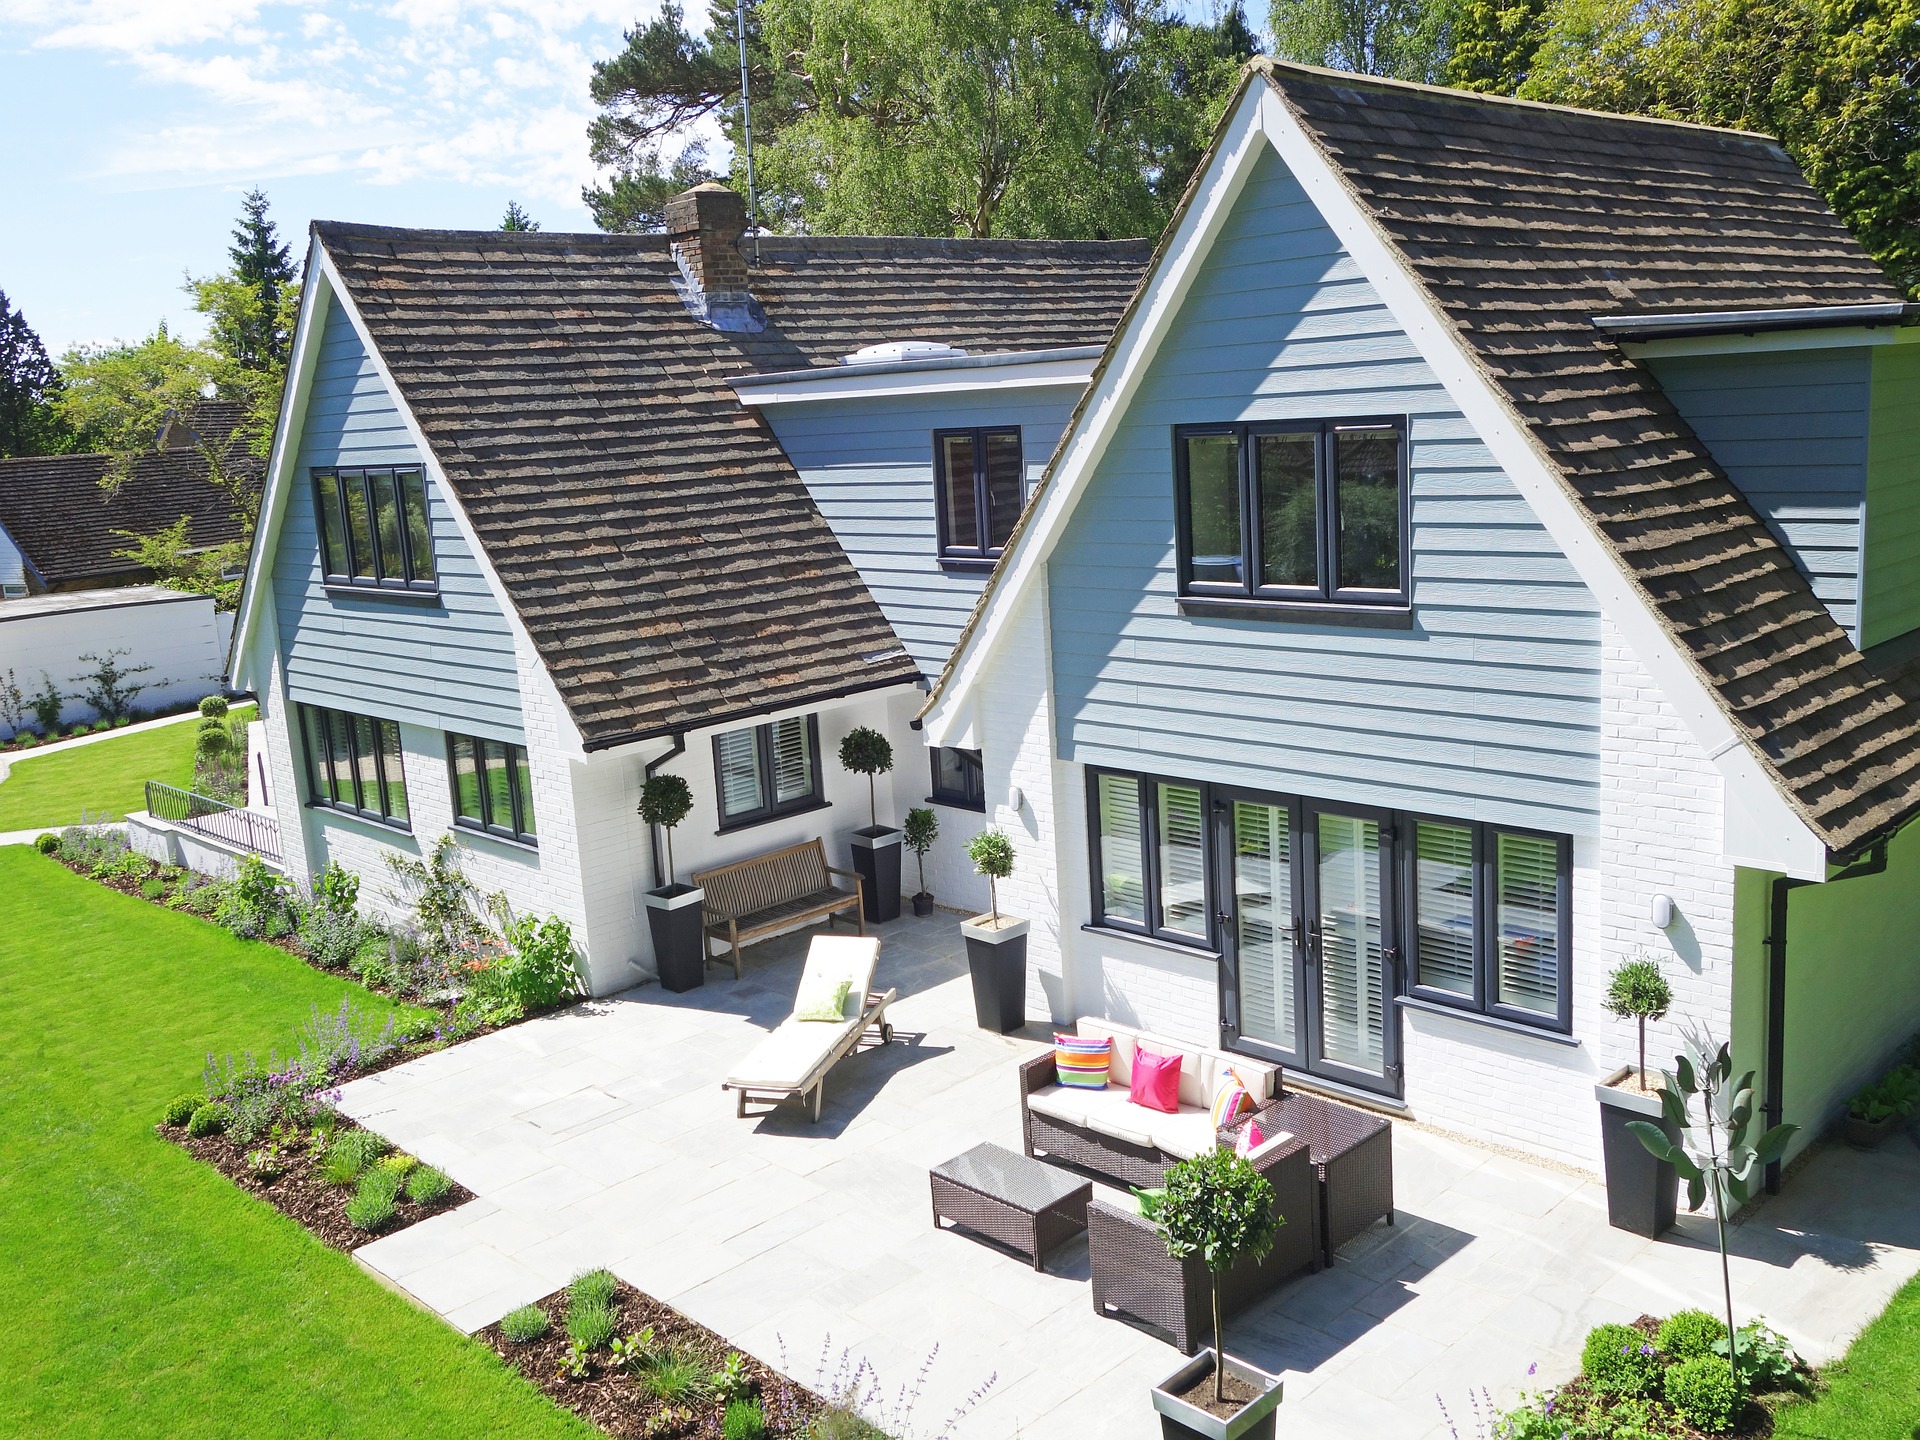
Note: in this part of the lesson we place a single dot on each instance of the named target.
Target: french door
(1308, 931)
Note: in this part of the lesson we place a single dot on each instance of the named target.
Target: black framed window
(764, 771)
(1150, 856)
(959, 778)
(374, 529)
(979, 483)
(1490, 922)
(492, 787)
(354, 764)
(1293, 513)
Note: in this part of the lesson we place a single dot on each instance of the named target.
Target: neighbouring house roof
(667, 561)
(66, 524)
(1524, 222)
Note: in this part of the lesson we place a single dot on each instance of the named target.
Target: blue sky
(135, 126)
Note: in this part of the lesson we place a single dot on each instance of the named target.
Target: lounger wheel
(886, 1032)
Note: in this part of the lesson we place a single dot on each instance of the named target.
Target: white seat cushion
(1109, 1112)
(787, 1057)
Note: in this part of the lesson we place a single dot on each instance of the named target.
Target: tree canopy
(29, 423)
(1401, 39)
(518, 219)
(1066, 118)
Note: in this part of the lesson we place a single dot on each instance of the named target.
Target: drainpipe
(679, 747)
(1772, 1107)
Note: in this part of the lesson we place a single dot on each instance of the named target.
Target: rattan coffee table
(1026, 1205)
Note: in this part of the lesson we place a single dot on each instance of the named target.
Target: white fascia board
(1758, 823)
(948, 719)
(1767, 342)
(286, 445)
(850, 384)
(571, 745)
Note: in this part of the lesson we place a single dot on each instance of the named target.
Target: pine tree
(262, 264)
(28, 382)
(518, 219)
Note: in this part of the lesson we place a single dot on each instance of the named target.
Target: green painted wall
(1890, 594)
(1853, 981)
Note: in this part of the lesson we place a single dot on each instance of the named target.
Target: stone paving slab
(600, 1136)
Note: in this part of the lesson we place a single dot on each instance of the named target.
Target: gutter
(679, 747)
(1775, 944)
(712, 721)
(936, 363)
(1752, 322)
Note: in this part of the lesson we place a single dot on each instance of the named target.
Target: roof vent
(896, 351)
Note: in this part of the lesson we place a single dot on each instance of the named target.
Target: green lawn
(1873, 1394)
(104, 779)
(144, 1294)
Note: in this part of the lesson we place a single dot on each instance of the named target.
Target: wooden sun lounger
(795, 1058)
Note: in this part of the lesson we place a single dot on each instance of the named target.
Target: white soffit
(1061, 368)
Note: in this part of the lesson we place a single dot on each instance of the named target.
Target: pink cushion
(1156, 1081)
(1251, 1139)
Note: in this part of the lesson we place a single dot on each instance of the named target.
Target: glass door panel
(1351, 945)
(1263, 922)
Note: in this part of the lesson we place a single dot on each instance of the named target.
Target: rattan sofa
(1134, 1279)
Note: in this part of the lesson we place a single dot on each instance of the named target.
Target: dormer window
(374, 530)
(979, 481)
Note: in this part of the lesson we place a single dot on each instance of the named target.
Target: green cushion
(824, 1004)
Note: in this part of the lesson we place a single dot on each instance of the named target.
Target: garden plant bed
(300, 1193)
(617, 1401)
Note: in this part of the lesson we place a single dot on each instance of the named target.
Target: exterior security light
(1662, 911)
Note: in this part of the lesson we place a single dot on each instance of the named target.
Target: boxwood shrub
(1688, 1334)
(1619, 1360)
(209, 1119)
(1702, 1390)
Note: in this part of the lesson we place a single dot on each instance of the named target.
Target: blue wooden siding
(449, 665)
(1790, 429)
(1488, 708)
(869, 466)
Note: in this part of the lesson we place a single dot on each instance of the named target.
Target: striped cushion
(1230, 1101)
(1081, 1064)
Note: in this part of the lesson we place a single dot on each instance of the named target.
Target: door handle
(1225, 917)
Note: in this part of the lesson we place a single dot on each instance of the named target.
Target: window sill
(381, 592)
(968, 564)
(1495, 1022)
(464, 828)
(1379, 617)
(753, 821)
(979, 807)
(388, 827)
(1154, 942)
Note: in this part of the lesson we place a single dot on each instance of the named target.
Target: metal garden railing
(248, 829)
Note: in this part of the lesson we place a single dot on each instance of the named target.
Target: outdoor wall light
(1662, 911)
(1016, 797)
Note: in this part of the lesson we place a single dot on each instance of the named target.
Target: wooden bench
(757, 896)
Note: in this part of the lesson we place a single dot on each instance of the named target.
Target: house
(60, 530)
(524, 543)
(1483, 553)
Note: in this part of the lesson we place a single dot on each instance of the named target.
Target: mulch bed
(619, 1403)
(301, 1194)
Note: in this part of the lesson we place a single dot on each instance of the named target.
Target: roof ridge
(1271, 67)
(536, 239)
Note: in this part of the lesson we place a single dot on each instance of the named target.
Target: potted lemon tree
(876, 847)
(673, 910)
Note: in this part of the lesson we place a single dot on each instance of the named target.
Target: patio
(601, 1136)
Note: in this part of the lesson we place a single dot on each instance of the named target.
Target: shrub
(108, 690)
(992, 855)
(90, 844)
(865, 751)
(1688, 1335)
(210, 1119)
(743, 1420)
(539, 970)
(154, 888)
(592, 1287)
(213, 707)
(255, 905)
(399, 1162)
(529, 1322)
(428, 1186)
(1218, 1209)
(442, 896)
(339, 1042)
(674, 1376)
(372, 1205)
(1702, 1390)
(47, 843)
(1619, 1360)
(349, 1153)
(180, 1109)
(590, 1325)
(666, 800)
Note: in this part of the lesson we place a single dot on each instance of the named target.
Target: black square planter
(997, 963)
(876, 860)
(1642, 1192)
(679, 946)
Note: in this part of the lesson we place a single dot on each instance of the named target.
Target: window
(767, 770)
(980, 484)
(1490, 927)
(492, 787)
(373, 529)
(959, 778)
(353, 763)
(1302, 514)
(1150, 856)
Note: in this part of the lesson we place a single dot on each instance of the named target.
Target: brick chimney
(705, 225)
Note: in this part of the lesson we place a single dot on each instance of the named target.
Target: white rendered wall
(174, 633)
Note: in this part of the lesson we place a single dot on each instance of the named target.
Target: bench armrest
(850, 874)
(1037, 1074)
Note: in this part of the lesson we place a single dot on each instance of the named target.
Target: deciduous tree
(1402, 39)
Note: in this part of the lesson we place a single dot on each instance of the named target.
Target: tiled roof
(55, 510)
(666, 559)
(1522, 221)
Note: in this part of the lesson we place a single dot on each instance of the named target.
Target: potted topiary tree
(1642, 1191)
(996, 943)
(923, 828)
(1218, 1207)
(876, 849)
(673, 909)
